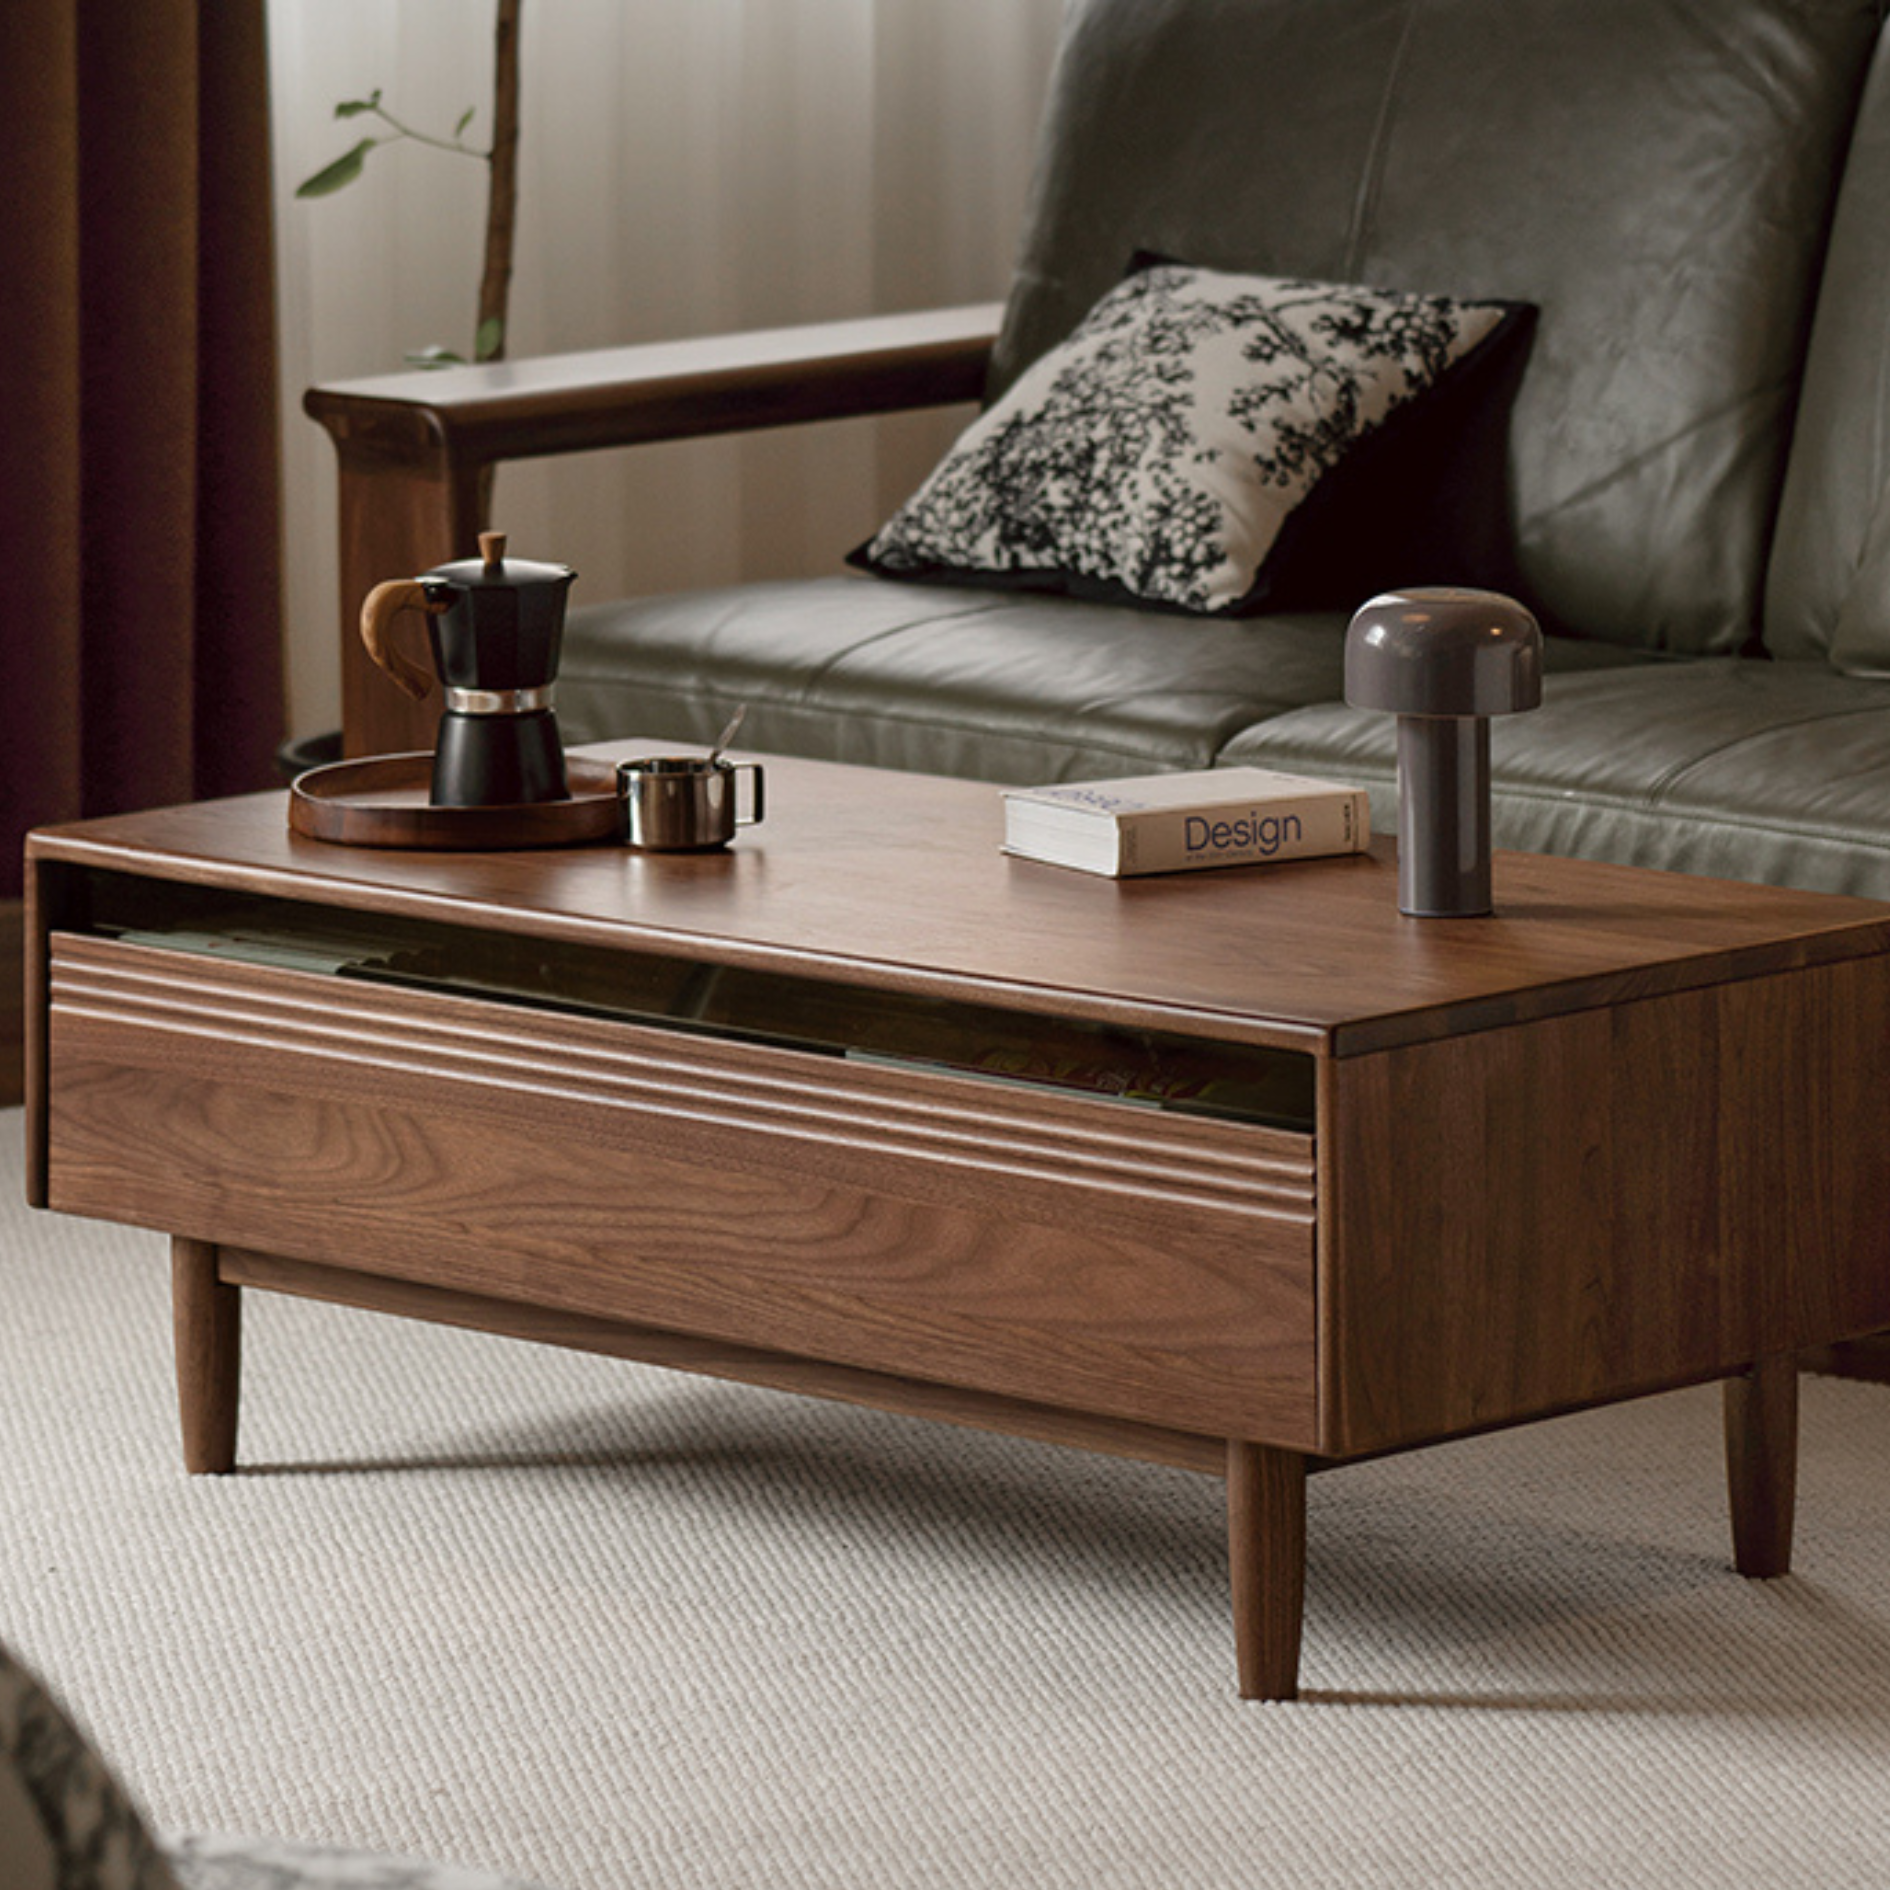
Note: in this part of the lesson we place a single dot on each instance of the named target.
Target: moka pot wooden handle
(384, 603)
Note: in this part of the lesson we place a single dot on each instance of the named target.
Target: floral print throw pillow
(1157, 455)
(65, 1822)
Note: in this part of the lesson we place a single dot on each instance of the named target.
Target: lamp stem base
(1444, 816)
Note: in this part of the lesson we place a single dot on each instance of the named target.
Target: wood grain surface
(1626, 1133)
(1266, 1566)
(563, 403)
(897, 881)
(1064, 1249)
(1534, 1218)
(207, 1330)
(1761, 1418)
(717, 1358)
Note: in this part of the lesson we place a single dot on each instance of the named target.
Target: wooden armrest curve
(663, 390)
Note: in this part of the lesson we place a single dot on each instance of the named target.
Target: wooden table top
(897, 881)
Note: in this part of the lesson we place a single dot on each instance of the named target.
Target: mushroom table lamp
(1443, 662)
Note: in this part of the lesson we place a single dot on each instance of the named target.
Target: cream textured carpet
(606, 1626)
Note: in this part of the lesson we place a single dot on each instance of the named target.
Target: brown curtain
(140, 647)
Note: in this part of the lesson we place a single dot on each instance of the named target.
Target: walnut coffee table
(1240, 1171)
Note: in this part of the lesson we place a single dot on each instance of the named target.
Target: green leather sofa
(1689, 481)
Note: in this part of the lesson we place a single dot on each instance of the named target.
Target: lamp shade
(1443, 652)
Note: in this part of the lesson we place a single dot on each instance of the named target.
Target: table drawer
(1134, 1262)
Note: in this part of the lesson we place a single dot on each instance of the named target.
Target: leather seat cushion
(986, 684)
(1776, 772)
(991, 685)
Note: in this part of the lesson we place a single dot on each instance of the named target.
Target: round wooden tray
(382, 802)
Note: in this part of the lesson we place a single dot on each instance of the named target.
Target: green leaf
(354, 107)
(434, 357)
(490, 338)
(465, 119)
(344, 170)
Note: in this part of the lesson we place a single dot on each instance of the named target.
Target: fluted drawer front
(1051, 1246)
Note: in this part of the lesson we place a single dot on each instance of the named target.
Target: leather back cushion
(1829, 590)
(1655, 175)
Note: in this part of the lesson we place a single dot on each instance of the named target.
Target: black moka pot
(496, 626)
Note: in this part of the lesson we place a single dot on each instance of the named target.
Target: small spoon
(727, 735)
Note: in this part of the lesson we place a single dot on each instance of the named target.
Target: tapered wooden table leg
(1762, 1463)
(1266, 1559)
(207, 1325)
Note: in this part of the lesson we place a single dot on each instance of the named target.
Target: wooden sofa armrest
(412, 449)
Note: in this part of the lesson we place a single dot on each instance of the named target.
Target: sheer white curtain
(686, 167)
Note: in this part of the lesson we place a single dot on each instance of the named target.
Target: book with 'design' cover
(1171, 823)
